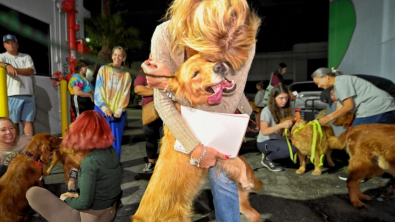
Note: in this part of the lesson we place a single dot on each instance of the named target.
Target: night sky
(284, 23)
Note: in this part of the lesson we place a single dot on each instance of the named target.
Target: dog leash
(291, 155)
(158, 76)
(256, 124)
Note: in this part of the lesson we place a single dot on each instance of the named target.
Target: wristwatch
(6, 64)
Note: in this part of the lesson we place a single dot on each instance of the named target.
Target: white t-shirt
(19, 85)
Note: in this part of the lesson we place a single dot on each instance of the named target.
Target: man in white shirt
(20, 70)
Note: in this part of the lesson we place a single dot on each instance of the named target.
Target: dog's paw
(316, 172)
(246, 185)
(358, 204)
(364, 197)
(300, 171)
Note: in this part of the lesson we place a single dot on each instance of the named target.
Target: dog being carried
(175, 182)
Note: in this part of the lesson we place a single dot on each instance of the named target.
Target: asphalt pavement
(286, 196)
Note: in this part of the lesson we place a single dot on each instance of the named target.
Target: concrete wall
(372, 46)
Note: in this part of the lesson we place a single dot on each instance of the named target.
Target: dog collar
(37, 159)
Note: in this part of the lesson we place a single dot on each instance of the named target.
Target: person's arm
(87, 185)
(77, 91)
(99, 96)
(348, 105)
(267, 130)
(125, 97)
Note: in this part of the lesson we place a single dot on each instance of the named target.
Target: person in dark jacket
(99, 176)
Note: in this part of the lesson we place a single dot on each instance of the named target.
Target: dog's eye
(195, 74)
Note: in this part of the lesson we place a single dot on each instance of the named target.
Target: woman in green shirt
(99, 177)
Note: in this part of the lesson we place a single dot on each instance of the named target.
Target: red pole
(69, 7)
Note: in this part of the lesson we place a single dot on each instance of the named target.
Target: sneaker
(149, 167)
(344, 176)
(269, 164)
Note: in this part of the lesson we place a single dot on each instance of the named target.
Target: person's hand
(324, 120)
(116, 115)
(286, 124)
(156, 68)
(68, 194)
(210, 158)
(108, 113)
(91, 96)
(11, 70)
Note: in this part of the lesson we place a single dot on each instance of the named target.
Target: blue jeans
(226, 197)
(275, 149)
(379, 118)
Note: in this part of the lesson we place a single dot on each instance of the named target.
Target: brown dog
(24, 171)
(345, 120)
(175, 182)
(302, 136)
(372, 151)
(70, 159)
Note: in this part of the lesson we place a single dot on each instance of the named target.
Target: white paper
(221, 131)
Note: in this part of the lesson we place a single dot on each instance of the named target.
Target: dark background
(284, 23)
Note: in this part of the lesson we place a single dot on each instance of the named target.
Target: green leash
(293, 156)
(316, 127)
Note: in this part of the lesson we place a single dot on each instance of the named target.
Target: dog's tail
(338, 143)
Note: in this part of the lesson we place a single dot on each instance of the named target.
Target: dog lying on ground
(24, 171)
(302, 137)
(175, 182)
(372, 151)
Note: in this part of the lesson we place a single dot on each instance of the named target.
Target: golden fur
(175, 182)
(372, 151)
(303, 141)
(69, 159)
(345, 120)
(23, 173)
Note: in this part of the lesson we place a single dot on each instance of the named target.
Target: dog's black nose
(219, 67)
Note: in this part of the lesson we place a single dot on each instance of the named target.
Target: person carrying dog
(99, 177)
(227, 33)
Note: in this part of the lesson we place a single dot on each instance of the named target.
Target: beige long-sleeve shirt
(160, 49)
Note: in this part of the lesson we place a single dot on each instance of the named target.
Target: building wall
(371, 49)
(47, 96)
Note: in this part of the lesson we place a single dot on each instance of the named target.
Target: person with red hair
(99, 177)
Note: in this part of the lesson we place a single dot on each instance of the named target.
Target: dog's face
(42, 145)
(202, 82)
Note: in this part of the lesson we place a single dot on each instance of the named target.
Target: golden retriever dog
(175, 182)
(24, 171)
(302, 137)
(372, 151)
(69, 159)
(345, 120)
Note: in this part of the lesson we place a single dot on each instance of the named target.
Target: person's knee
(32, 194)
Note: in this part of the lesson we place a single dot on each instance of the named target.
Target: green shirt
(99, 181)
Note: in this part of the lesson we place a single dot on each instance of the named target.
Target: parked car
(307, 99)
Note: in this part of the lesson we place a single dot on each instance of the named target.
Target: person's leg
(274, 150)
(226, 197)
(104, 215)
(28, 114)
(50, 206)
(117, 127)
(379, 118)
(15, 111)
(152, 135)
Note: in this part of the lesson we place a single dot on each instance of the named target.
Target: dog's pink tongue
(217, 96)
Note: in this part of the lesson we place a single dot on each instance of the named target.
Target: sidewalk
(286, 196)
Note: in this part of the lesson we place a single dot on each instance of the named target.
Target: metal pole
(3, 93)
(63, 106)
